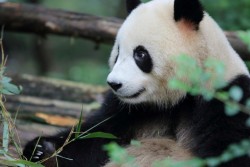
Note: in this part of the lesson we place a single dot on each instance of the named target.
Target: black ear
(132, 4)
(189, 10)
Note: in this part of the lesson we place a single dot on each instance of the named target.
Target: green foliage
(86, 134)
(233, 151)
(195, 162)
(19, 163)
(206, 80)
(248, 64)
(231, 15)
(135, 143)
(236, 93)
(231, 109)
(245, 37)
(88, 72)
(78, 126)
(196, 84)
(119, 155)
(6, 87)
(98, 135)
(201, 80)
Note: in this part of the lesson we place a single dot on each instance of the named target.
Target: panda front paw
(39, 149)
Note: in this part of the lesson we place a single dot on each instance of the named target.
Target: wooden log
(43, 21)
(27, 105)
(59, 89)
(240, 47)
(54, 97)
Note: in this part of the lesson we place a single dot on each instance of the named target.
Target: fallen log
(43, 21)
(54, 97)
(59, 89)
(27, 105)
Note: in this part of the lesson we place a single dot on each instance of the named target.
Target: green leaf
(236, 93)
(11, 89)
(168, 162)
(8, 163)
(208, 95)
(232, 109)
(245, 36)
(30, 164)
(248, 103)
(227, 156)
(237, 150)
(212, 162)
(223, 96)
(5, 142)
(99, 135)
(79, 125)
(15, 163)
(245, 143)
(118, 154)
(135, 143)
(2, 152)
(5, 79)
(178, 85)
(248, 64)
(6, 92)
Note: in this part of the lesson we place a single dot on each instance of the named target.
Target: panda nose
(115, 86)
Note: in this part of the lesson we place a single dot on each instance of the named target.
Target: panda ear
(132, 4)
(190, 11)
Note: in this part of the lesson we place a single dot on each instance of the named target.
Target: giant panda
(168, 123)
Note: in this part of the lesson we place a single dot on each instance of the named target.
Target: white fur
(152, 150)
(152, 26)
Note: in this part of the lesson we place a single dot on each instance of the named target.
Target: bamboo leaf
(6, 79)
(17, 163)
(99, 135)
(11, 89)
(79, 125)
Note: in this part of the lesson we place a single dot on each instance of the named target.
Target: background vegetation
(85, 61)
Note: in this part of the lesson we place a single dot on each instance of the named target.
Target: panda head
(141, 59)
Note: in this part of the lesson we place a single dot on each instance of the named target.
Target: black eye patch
(143, 59)
(118, 52)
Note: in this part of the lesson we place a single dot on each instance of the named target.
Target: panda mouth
(135, 95)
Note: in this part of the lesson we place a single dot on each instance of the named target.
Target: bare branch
(40, 20)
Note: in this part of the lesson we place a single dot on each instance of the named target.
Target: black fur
(118, 52)
(143, 59)
(189, 10)
(210, 130)
(132, 4)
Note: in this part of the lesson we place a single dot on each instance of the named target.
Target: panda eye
(143, 59)
(140, 55)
